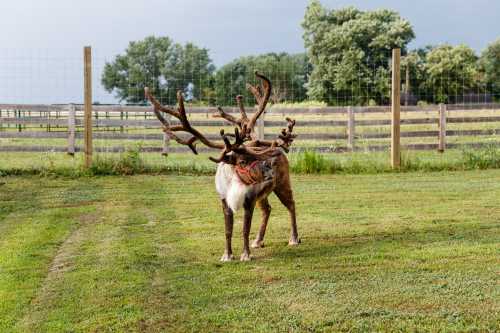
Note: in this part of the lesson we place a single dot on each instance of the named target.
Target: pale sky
(49, 29)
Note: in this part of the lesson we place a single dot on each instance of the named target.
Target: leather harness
(250, 174)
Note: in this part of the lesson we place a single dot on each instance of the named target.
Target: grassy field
(389, 252)
(305, 162)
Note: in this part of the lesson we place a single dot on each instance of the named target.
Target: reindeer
(248, 169)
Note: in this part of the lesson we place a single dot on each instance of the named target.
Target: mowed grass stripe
(110, 277)
(37, 223)
(391, 252)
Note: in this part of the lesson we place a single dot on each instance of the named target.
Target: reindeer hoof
(257, 244)
(226, 257)
(294, 241)
(245, 257)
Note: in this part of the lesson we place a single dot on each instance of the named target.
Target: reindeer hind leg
(285, 195)
(265, 208)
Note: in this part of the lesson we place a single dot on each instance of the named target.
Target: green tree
(413, 69)
(489, 64)
(162, 65)
(288, 74)
(451, 72)
(350, 52)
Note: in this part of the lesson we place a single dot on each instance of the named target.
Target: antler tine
(229, 147)
(185, 126)
(219, 159)
(167, 128)
(287, 136)
(160, 117)
(255, 92)
(157, 105)
(226, 140)
(239, 100)
(188, 128)
(182, 111)
(258, 153)
(240, 138)
(261, 98)
(191, 142)
(245, 124)
(230, 118)
(227, 116)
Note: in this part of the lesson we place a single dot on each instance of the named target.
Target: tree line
(166, 67)
(347, 63)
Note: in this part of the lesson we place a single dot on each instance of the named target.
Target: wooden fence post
(19, 125)
(71, 129)
(442, 128)
(48, 119)
(350, 128)
(97, 120)
(396, 109)
(87, 58)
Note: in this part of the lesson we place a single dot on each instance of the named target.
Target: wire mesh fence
(39, 90)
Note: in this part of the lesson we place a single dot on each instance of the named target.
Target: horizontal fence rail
(121, 123)
(320, 149)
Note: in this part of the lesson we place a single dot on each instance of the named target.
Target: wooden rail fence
(118, 122)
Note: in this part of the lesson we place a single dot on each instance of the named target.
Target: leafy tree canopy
(350, 52)
(162, 65)
(490, 67)
(287, 72)
(450, 72)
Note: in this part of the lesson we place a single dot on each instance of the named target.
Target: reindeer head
(245, 146)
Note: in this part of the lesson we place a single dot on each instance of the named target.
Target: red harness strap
(250, 174)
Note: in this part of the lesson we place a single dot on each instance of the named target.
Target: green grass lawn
(389, 252)
(133, 162)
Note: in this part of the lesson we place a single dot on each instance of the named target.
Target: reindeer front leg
(249, 206)
(228, 221)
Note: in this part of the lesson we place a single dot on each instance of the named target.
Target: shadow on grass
(385, 244)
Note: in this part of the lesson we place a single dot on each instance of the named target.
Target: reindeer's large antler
(284, 141)
(259, 153)
(246, 125)
(244, 132)
(261, 97)
(287, 136)
(185, 126)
